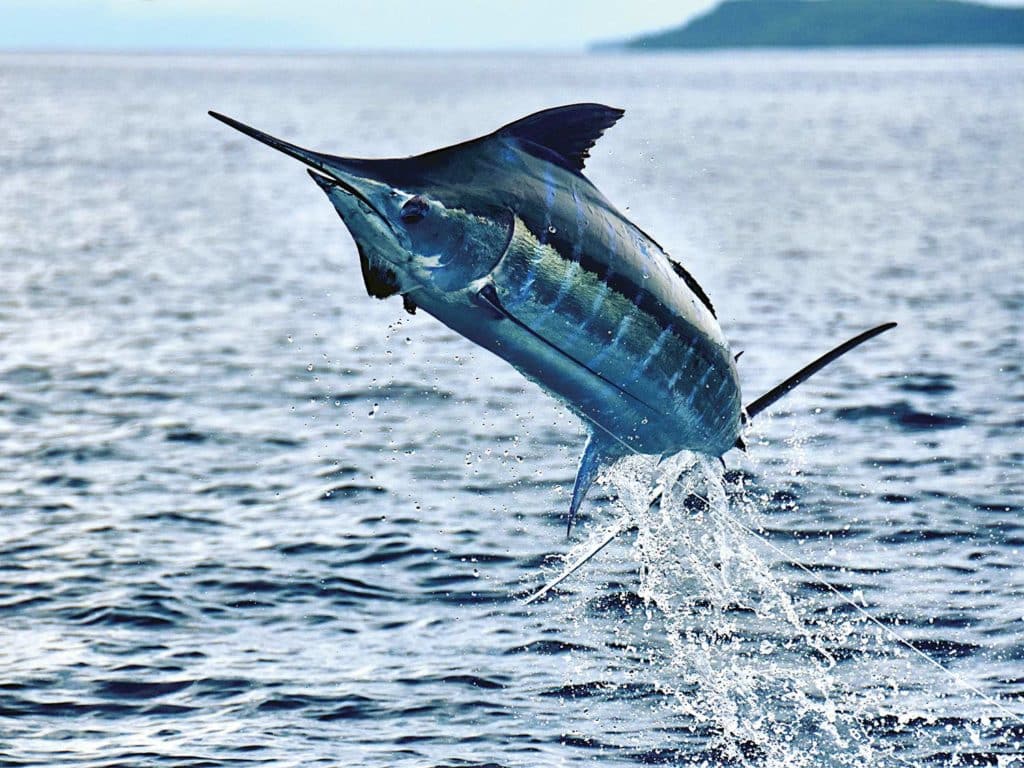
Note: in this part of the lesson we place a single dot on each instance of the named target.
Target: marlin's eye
(415, 209)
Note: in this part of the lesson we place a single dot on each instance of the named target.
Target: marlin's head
(403, 223)
(418, 236)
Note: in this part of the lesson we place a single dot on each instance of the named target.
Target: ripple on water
(926, 383)
(902, 414)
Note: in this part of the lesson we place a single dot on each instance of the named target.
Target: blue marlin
(505, 241)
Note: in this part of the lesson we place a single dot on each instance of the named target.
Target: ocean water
(251, 516)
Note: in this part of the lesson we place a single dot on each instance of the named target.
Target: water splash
(759, 678)
(730, 650)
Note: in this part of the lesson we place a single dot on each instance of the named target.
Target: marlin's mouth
(330, 183)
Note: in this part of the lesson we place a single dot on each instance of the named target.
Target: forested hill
(828, 23)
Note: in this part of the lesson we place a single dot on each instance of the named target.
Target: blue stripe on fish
(581, 224)
(682, 365)
(596, 361)
(549, 204)
(653, 352)
(568, 283)
(528, 280)
(595, 309)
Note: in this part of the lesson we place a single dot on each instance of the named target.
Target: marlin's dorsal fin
(598, 453)
(567, 132)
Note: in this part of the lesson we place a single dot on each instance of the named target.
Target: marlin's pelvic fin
(798, 378)
(596, 455)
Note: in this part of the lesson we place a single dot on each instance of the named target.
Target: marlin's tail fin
(798, 378)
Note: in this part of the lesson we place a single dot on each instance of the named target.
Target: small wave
(185, 436)
(176, 516)
(582, 690)
(65, 481)
(928, 383)
(470, 681)
(396, 391)
(136, 689)
(904, 415)
(615, 601)
(390, 552)
(944, 649)
(221, 688)
(147, 395)
(484, 558)
(157, 617)
(549, 648)
(350, 491)
(226, 489)
(19, 604)
(339, 590)
(465, 596)
(283, 442)
(305, 548)
(905, 535)
(352, 708)
(28, 707)
(81, 454)
(22, 375)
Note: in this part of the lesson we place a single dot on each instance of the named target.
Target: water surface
(252, 516)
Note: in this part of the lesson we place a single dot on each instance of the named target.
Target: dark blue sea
(251, 516)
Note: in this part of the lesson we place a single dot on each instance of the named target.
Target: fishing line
(624, 524)
(892, 633)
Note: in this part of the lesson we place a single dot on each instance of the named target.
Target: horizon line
(598, 49)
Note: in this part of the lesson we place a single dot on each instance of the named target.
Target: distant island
(833, 23)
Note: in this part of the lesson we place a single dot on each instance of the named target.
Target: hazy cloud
(332, 24)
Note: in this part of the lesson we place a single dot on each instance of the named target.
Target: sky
(332, 24)
(415, 25)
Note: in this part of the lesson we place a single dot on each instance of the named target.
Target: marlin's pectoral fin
(487, 297)
(599, 450)
(598, 453)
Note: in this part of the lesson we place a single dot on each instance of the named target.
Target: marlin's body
(640, 359)
(505, 241)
